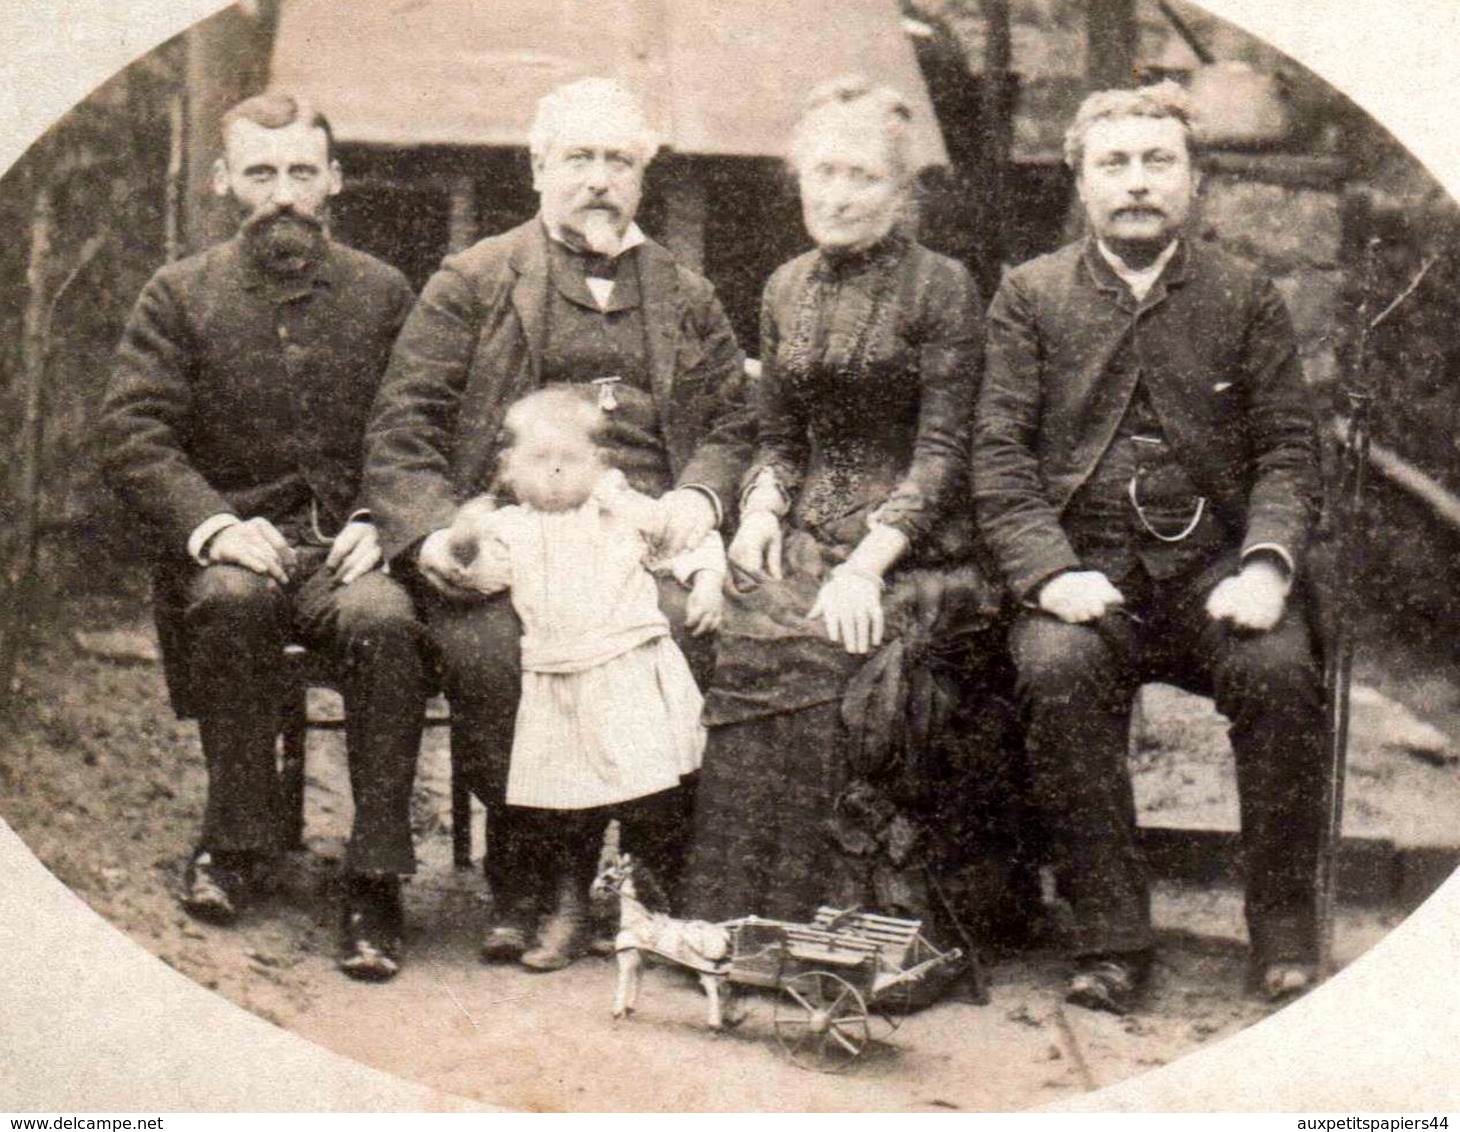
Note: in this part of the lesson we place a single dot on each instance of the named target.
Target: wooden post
(1111, 37)
(462, 225)
(684, 213)
(996, 117)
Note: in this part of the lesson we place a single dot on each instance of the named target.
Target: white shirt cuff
(198, 540)
(1273, 548)
(712, 497)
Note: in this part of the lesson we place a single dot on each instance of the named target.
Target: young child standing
(609, 716)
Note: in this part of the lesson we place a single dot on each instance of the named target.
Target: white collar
(633, 237)
(1139, 280)
(601, 289)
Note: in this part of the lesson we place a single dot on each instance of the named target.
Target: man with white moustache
(580, 296)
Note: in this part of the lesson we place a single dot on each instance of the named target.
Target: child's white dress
(609, 709)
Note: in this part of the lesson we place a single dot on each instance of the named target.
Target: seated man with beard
(232, 428)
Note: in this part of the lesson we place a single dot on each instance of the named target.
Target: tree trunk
(35, 335)
(996, 119)
(227, 60)
(1111, 28)
(176, 158)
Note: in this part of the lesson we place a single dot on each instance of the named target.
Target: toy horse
(701, 946)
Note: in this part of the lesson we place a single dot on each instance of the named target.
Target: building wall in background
(1300, 210)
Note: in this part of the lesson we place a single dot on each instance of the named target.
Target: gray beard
(599, 234)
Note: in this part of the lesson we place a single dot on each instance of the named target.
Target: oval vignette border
(1385, 1034)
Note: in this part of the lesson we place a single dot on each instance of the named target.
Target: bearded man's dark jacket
(239, 391)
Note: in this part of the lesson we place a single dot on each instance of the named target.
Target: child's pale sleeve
(490, 569)
(708, 555)
(646, 515)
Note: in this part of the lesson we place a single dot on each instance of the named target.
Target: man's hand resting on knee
(1077, 597)
(1253, 598)
(255, 544)
(354, 552)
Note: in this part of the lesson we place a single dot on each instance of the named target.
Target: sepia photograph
(729, 555)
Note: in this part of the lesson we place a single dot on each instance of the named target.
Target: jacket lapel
(659, 294)
(1181, 373)
(1104, 279)
(1172, 277)
(530, 292)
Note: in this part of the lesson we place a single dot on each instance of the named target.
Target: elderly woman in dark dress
(854, 552)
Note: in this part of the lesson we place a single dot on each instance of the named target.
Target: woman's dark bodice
(871, 371)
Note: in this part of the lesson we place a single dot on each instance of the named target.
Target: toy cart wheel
(821, 1021)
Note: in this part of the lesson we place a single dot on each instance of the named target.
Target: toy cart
(831, 973)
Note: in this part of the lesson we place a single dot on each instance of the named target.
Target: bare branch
(88, 252)
(1404, 294)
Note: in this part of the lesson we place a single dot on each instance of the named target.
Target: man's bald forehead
(592, 109)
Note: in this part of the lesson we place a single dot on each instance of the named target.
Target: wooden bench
(308, 670)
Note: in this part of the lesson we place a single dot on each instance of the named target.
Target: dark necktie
(597, 266)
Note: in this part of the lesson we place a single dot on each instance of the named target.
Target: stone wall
(1286, 214)
(1051, 62)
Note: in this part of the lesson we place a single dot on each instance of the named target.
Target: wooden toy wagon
(831, 973)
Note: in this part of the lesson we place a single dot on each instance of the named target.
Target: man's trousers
(235, 626)
(1076, 687)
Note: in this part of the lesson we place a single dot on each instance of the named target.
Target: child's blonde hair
(556, 404)
(559, 425)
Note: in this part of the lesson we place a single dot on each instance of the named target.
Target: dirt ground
(107, 790)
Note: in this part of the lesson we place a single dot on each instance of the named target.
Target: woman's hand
(851, 605)
(704, 609)
(756, 547)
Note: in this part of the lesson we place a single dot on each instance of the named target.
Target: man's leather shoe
(505, 943)
(563, 939)
(371, 929)
(513, 930)
(215, 890)
(1286, 979)
(1113, 982)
